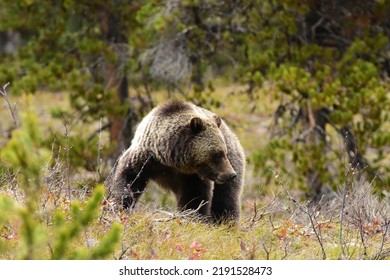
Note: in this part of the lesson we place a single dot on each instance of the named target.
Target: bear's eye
(218, 155)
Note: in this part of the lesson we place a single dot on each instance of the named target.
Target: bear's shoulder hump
(173, 107)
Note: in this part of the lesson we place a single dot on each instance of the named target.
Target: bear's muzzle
(224, 177)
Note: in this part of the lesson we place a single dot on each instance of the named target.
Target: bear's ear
(217, 120)
(196, 124)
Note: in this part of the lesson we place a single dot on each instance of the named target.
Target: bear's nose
(232, 175)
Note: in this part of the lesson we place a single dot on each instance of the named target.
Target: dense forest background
(305, 84)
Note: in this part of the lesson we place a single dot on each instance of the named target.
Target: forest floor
(273, 224)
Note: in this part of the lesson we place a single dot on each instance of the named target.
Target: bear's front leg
(225, 205)
(194, 194)
(130, 177)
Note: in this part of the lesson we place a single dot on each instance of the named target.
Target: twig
(267, 251)
(285, 251)
(383, 253)
(361, 231)
(67, 148)
(342, 219)
(315, 232)
(11, 108)
(99, 130)
(365, 193)
(184, 214)
(258, 216)
(99, 159)
(306, 211)
(123, 252)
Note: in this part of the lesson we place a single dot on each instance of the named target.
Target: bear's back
(173, 107)
(162, 124)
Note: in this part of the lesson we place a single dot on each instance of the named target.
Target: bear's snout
(224, 177)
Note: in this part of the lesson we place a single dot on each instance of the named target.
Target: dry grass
(349, 226)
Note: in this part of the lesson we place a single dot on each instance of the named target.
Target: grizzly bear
(190, 151)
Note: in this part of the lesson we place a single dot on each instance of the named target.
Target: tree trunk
(116, 79)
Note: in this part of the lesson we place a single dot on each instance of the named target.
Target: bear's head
(208, 151)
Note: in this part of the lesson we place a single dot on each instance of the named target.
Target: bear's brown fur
(188, 150)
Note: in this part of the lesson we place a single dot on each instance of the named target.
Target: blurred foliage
(82, 47)
(326, 62)
(26, 155)
(80, 219)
